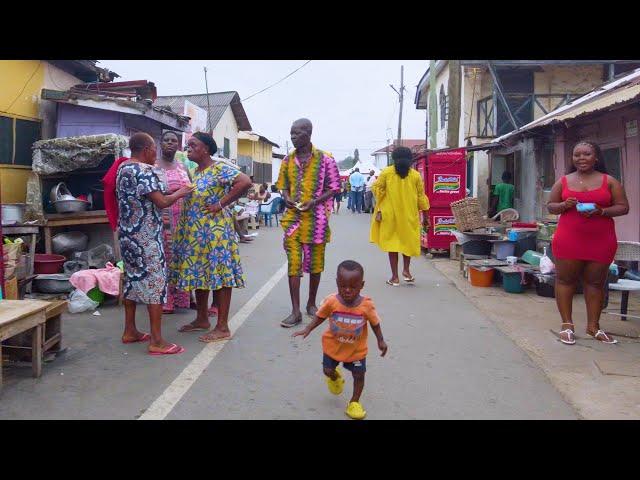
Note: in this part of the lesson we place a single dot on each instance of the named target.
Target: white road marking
(163, 405)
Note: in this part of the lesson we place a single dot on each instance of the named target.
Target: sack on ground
(79, 302)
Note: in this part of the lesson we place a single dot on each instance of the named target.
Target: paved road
(445, 361)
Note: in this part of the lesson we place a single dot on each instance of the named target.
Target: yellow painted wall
(259, 151)
(13, 183)
(245, 147)
(21, 82)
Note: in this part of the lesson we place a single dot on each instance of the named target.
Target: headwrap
(207, 140)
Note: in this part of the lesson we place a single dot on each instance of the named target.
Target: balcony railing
(525, 109)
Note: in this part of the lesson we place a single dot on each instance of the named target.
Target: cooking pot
(13, 213)
(71, 206)
(60, 192)
(97, 195)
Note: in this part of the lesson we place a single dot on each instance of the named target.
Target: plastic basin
(48, 263)
(512, 282)
(481, 277)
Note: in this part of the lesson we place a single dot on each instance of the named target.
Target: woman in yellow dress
(395, 227)
(205, 252)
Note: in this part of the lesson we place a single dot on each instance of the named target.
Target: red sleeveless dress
(580, 238)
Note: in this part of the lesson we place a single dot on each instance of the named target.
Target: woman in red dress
(585, 242)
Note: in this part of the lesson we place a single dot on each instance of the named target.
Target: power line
(24, 87)
(281, 80)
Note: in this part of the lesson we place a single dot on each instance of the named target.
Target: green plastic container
(532, 257)
(511, 283)
(96, 295)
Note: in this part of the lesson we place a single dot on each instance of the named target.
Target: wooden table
(93, 217)
(17, 316)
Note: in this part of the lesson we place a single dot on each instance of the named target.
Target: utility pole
(401, 100)
(388, 159)
(206, 86)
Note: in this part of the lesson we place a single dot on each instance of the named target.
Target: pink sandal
(172, 350)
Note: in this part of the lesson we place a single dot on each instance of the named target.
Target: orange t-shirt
(346, 338)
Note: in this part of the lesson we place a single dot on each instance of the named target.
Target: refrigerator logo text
(448, 184)
(443, 225)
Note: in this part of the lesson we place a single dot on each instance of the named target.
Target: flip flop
(172, 350)
(389, 282)
(190, 328)
(219, 339)
(143, 338)
(409, 279)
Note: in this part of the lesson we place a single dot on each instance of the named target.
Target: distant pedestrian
(357, 180)
(308, 179)
(345, 339)
(585, 242)
(368, 194)
(395, 227)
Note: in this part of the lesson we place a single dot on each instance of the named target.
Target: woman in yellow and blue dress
(206, 256)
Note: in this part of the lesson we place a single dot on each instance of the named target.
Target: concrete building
(26, 117)
(608, 116)
(255, 156)
(470, 102)
(382, 156)
(226, 116)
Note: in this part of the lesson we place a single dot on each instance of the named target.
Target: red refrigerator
(446, 182)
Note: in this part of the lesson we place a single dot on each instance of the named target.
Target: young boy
(346, 338)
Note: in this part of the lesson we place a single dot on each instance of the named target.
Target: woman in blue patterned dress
(141, 196)
(206, 254)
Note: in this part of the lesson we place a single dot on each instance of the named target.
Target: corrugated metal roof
(218, 104)
(621, 90)
(410, 143)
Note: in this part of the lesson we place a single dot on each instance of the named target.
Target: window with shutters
(16, 139)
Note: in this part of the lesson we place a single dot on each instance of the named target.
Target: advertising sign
(198, 120)
(447, 184)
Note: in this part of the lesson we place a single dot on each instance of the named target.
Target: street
(446, 359)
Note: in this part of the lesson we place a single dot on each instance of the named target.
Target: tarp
(61, 155)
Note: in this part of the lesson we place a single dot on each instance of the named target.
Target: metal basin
(58, 283)
(71, 206)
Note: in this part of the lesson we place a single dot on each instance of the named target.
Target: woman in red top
(585, 242)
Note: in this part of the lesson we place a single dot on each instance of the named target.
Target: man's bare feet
(135, 336)
(292, 320)
(195, 326)
(215, 335)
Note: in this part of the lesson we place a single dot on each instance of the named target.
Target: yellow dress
(399, 200)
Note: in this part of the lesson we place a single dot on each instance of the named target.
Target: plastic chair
(507, 215)
(274, 210)
(629, 252)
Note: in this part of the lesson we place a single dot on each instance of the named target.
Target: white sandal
(570, 335)
(608, 340)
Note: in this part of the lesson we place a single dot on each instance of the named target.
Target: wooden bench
(18, 316)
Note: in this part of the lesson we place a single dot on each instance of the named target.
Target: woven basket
(468, 214)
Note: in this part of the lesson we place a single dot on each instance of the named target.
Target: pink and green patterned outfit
(307, 233)
(175, 178)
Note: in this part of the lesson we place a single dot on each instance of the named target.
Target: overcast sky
(349, 101)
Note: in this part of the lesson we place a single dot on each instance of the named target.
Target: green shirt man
(503, 193)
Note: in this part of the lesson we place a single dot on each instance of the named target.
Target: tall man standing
(308, 179)
(357, 181)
